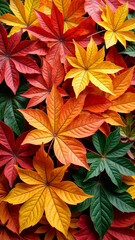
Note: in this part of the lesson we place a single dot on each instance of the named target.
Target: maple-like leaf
(62, 125)
(72, 12)
(24, 15)
(13, 153)
(43, 190)
(50, 232)
(89, 66)
(42, 84)
(116, 28)
(52, 31)
(13, 58)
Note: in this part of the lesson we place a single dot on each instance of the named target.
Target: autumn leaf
(51, 232)
(116, 28)
(42, 84)
(60, 43)
(89, 66)
(72, 12)
(119, 228)
(13, 153)
(13, 58)
(47, 6)
(130, 180)
(24, 15)
(43, 190)
(8, 214)
(62, 124)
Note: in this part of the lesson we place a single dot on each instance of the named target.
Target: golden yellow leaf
(43, 190)
(116, 28)
(89, 66)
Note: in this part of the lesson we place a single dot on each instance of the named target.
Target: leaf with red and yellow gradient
(45, 192)
(60, 125)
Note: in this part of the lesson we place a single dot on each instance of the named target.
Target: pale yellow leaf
(80, 81)
(110, 38)
(91, 50)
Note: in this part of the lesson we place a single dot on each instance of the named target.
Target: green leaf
(113, 173)
(4, 7)
(120, 150)
(95, 169)
(91, 157)
(130, 50)
(81, 206)
(101, 211)
(124, 165)
(9, 103)
(132, 135)
(99, 141)
(112, 140)
(122, 202)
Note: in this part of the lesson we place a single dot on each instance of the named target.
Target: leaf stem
(50, 147)
(97, 33)
(93, 152)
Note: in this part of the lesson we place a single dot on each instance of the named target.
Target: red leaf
(131, 3)
(13, 153)
(12, 56)
(51, 30)
(43, 84)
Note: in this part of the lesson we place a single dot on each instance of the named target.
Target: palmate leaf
(52, 31)
(62, 124)
(9, 103)
(43, 190)
(24, 14)
(108, 157)
(42, 85)
(89, 66)
(116, 28)
(13, 58)
(12, 153)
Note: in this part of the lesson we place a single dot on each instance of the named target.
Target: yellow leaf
(38, 137)
(17, 8)
(39, 193)
(63, 6)
(69, 192)
(113, 118)
(32, 210)
(116, 28)
(130, 180)
(30, 5)
(12, 20)
(57, 212)
(90, 66)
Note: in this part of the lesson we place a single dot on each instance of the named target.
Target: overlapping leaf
(108, 158)
(13, 58)
(24, 15)
(116, 28)
(42, 85)
(62, 124)
(52, 31)
(13, 153)
(43, 190)
(9, 104)
(51, 232)
(89, 66)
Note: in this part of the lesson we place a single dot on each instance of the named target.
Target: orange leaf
(63, 123)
